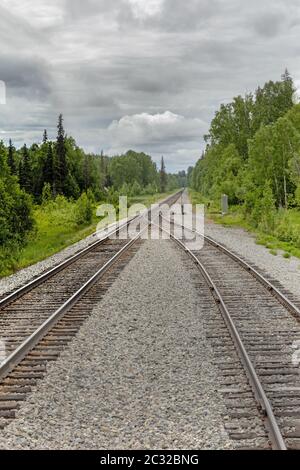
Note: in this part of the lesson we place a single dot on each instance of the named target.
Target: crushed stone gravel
(139, 374)
(18, 279)
(243, 243)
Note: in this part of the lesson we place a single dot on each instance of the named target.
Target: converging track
(261, 324)
(39, 319)
(250, 323)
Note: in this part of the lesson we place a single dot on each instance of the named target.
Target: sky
(146, 75)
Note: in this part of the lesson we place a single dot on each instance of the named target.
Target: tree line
(59, 168)
(253, 153)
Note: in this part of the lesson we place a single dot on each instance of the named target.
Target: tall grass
(56, 227)
(285, 235)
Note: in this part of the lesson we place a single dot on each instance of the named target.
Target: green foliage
(253, 154)
(70, 171)
(125, 189)
(83, 210)
(151, 189)
(25, 171)
(9, 256)
(61, 169)
(91, 196)
(11, 158)
(297, 195)
(46, 194)
(132, 167)
(136, 189)
(48, 178)
(16, 220)
(15, 206)
(263, 212)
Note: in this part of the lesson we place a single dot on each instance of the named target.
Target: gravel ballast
(285, 270)
(16, 280)
(138, 375)
(13, 282)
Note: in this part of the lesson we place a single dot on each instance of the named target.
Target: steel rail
(21, 352)
(276, 292)
(265, 282)
(24, 348)
(64, 264)
(265, 405)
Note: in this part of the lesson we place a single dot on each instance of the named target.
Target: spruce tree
(45, 136)
(11, 158)
(87, 172)
(289, 90)
(163, 176)
(48, 166)
(102, 171)
(61, 167)
(25, 171)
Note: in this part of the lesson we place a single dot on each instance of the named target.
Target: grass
(55, 230)
(286, 236)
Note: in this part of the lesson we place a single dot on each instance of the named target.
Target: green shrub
(91, 196)
(136, 189)
(9, 256)
(150, 189)
(83, 210)
(125, 190)
(16, 220)
(46, 193)
(113, 197)
(263, 214)
(297, 196)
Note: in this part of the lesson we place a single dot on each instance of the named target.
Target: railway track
(253, 337)
(38, 320)
(252, 333)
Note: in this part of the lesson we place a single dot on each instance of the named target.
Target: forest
(49, 192)
(253, 155)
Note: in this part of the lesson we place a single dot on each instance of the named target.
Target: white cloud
(173, 135)
(144, 128)
(144, 8)
(38, 14)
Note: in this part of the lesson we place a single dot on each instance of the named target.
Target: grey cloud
(25, 76)
(270, 24)
(102, 63)
(78, 9)
(178, 16)
(174, 15)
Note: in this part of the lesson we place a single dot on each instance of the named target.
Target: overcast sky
(138, 74)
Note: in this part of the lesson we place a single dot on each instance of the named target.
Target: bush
(263, 213)
(83, 210)
(136, 189)
(125, 190)
(297, 196)
(91, 196)
(113, 197)
(9, 255)
(150, 189)
(46, 194)
(16, 220)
